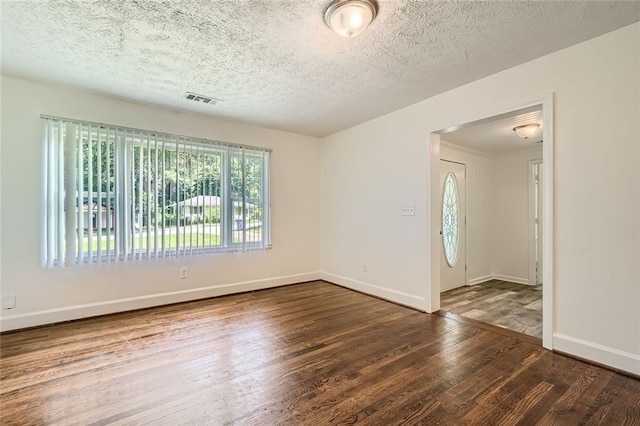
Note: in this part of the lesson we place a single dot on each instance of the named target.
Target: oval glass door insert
(450, 224)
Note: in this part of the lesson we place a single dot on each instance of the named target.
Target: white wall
(371, 170)
(479, 207)
(510, 218)
(59, 294)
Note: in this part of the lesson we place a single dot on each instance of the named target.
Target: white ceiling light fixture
(526, 130)
(349, 18)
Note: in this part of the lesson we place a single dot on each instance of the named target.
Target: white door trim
(533, 273)
(434, 195)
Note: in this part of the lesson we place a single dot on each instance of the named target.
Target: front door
(453, 256)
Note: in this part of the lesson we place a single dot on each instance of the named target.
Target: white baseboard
(615, 358)
(480, 280)
(621, 360)
(484, 279)
(49, 316)
(402, 298)
(516, 280)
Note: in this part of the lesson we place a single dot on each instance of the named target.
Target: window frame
(121, 203)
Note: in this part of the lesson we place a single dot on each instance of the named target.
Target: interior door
(453, 255)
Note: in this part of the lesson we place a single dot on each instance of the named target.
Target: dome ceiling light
(526, 130)
(349, 18)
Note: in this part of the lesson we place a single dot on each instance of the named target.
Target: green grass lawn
(171, 241)
(187, 239)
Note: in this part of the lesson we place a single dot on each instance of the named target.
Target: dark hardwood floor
(516, 307)
(312, 354)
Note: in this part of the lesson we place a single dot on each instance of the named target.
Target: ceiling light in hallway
(526, 130)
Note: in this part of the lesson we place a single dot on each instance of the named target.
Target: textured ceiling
(495, 136)
(275, 64)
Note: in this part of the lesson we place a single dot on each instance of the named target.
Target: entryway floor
(516, 307)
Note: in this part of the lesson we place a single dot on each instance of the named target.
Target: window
(113, 194)
(450, 219)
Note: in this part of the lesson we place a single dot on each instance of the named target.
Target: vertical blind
(118, 194)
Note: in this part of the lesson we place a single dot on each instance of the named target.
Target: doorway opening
(491, 210)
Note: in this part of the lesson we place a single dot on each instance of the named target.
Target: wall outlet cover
(9, 301)
(184, 272)
(409, 210)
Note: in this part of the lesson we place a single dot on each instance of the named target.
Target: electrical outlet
(9, 301)
(184, 272)
(365, 268)
(409, 210)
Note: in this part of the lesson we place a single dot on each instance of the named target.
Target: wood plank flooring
(517, 307)
(311, 354)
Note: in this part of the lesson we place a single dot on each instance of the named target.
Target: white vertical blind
(44, 215)
(147, 216)
(164, 200)
(72, 141)
(109, 205)
(71, 235)
(90, 199)
(99, 204)
(60, 194)
(114, 194)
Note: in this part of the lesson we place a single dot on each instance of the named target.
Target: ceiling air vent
(201, 98)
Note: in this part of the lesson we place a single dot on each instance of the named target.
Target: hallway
(517, 307)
